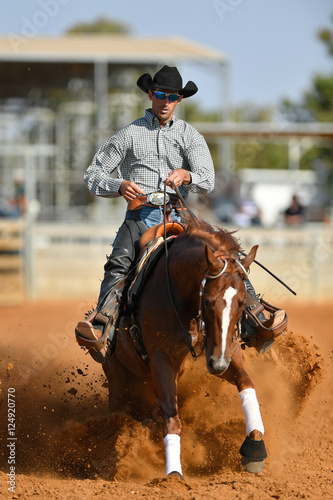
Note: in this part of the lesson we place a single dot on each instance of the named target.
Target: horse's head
(224, 298)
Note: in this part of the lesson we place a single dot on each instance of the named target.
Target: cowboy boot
(94, 330)
(103, 318)
(256, 329)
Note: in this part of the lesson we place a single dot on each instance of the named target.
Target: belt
(152, 200)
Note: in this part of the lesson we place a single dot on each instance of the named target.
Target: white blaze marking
(228, 296)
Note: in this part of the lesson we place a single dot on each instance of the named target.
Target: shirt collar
(153, 120)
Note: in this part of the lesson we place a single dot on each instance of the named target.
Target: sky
(272, 45)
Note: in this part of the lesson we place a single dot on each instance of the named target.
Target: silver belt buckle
(157, 198)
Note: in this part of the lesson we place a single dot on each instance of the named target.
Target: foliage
(320, 99)
(258, 154)
(316, 105)
(193, 113)
(102, 26)
(326, 36)
(317, 102)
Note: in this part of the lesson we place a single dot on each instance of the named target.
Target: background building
(61, 98)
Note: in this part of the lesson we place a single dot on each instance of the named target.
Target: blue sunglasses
(163, 95)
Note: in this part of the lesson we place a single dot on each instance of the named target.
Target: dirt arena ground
(68, 446)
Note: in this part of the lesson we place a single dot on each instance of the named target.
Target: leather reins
(200, 317)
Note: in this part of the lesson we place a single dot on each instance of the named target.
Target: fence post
(30, 219)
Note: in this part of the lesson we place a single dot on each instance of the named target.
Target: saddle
(152, 246)
(261, 334)
(154, 232)
(267, 321)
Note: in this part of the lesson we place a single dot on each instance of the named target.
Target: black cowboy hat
(167, 78)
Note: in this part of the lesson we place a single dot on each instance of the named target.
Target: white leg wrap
(172, 454)
(251, 411)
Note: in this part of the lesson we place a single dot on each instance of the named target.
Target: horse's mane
(220, 240)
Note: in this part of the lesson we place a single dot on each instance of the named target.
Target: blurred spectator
(247, 214)
(5, 209)
(15, 206)
(18, 202)
(294, 215)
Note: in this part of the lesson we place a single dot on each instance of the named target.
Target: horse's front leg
(164, 377)
(253, 449)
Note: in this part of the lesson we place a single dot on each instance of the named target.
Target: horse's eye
(208, 302)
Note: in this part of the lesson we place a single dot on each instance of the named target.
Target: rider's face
(163, 109)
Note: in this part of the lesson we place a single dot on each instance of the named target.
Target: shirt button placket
(162, 155)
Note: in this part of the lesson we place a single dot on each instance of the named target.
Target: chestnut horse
(194, 294)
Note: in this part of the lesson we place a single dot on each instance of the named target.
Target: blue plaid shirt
(145, 153)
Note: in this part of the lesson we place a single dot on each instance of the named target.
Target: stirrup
(266, 331)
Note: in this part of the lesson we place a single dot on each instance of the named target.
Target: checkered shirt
(145, 153)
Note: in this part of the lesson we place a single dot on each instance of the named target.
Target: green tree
(317, 102)
(326, 36)
(102, 26)
(317, 105)
(320, 98)
(253, 153)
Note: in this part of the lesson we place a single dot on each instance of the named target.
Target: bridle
(200, 316)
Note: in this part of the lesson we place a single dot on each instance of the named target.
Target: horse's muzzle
(217, 366)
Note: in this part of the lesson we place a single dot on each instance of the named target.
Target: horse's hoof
(176, 474)
(252, 466)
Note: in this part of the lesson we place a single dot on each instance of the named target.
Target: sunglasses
(163, 95)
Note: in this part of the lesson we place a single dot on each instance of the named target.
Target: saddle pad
(145, 265)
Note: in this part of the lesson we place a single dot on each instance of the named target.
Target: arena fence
(55, 261)
(12, 279)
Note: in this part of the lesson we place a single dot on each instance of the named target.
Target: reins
(199, 317)
(185, 331)
(242, 253)
(187, 334)
(272, 274)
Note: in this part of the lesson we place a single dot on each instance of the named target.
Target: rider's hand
(178, 177)
(129, 190)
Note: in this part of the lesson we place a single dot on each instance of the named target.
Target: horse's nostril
(217, 367)
(213, 365)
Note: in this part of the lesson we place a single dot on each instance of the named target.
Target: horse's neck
(188, 266)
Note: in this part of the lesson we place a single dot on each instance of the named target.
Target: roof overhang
(108, 48)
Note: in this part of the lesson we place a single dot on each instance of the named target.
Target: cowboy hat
(167, 78)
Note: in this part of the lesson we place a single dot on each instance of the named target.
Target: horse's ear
(213, 262)
(250, 257)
